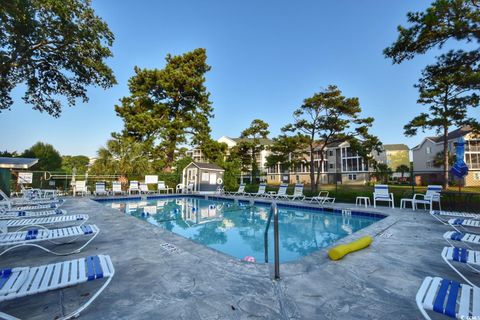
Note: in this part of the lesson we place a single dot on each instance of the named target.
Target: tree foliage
(443, 20)
(382, 172)
(288, 151)
(57, 48)
(168, 107)
(49, 158)
(402, 169)
(80, 163)
(250, 145)
(329, 117)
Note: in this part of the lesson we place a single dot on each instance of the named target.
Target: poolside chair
(42, 221)
(432, 195)
(449, 298)
(32, 207)
(117, 188)
(261, 191)
(381, 194)
(144, 189)
(29, 281)
(448, 214)
(161, 186)
(469, 258)
(220, 191)
(297, 193)
(17, 239)
(9, 202)
(239, 192)
(80, 187)
(133, 187)
(462, 237)
(30, 214)
(282, 192)
(100, 189)
(463, 223)
(322, 198)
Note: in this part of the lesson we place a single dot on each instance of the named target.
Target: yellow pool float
(338, 252)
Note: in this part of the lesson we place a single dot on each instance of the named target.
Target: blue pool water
(238, 229)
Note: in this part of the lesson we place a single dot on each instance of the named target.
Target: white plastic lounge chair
(282, 192)
(322, 198)
(297, 193)
(144, 189)
(381, 194)
(220, 191)
(32, 207)
(470, 258)
(80, 188)
(432, 195)
(100, 189)
(161, 186)
(447, 297)
(30, 214)
(117, 188)
(29, 281)
(261, 191)
(8, 202)
(239, 192)
(462, 237)
(133, 187)
(16, 239)
(464, 223)
(42, 221)
(442, 216)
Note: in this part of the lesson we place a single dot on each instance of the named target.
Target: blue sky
(266, 57)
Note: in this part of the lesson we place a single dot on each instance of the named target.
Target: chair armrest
(418, 194)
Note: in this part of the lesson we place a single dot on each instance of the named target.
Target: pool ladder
(276, 244)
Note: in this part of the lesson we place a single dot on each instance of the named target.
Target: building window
(428, 164)
(330, 165)
(298, 178)
(428, 150)
(476, 176)
(330, 153)
(352, 177)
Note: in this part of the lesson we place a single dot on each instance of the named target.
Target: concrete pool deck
(200, 283)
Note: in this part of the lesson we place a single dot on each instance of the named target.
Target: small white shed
(205, 177)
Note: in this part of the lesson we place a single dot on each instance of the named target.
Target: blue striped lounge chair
(449, 298)
(31, 281)
(133, 187)
(42, 221)
(444, 216)
(16, 239)
(461, 237)
(282, 192)
(4, 214)
(462, 256)
(22, 204)
(432, 195)
(381, 194)
(100, 189)
(297, 193)
(261, 191)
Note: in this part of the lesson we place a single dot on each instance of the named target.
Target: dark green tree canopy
(170, 106)
(443, 20)
(288, 151)
(57, 48)
(49, 159)
(250, 145)
(80, 163)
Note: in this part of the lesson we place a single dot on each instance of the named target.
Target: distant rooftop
(455, 134)
(17, 163)
(395, 147)
(209, 166)
(262, 140)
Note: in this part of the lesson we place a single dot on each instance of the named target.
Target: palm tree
(402, 169)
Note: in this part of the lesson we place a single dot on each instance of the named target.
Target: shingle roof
(204, 165)
(261, 140)
(395, 147)
(460, 132)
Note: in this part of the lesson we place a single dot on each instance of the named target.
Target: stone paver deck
(200, 283)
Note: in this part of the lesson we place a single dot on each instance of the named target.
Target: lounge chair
(261, 191)
(220, 191)
(462, 237)
(16, 239)
(42, 221)
(447, 297)
(239, 192)
(381, 194)
(322, 198)
(437, 214)
(297, 193)
(432, 195)
(144, 189)
(133, 187)
(463, 223)
(282, 192)
(29, 281)
(10, 203)
(30, 214)
(100, 189)
(161, 186)
(117, 188)
(470, 258)
(80, 188)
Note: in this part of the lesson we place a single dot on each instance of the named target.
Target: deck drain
(170, 248)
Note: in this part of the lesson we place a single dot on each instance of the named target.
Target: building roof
(395, 147)
(262, 141)
(208, 166)
(17, 163)
(460, 132)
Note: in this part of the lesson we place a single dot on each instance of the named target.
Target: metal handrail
(276, 247)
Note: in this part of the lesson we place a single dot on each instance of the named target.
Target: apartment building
(425, 153)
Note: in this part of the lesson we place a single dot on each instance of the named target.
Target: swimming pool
(237, 229)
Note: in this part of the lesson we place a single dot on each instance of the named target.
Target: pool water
(238, 229)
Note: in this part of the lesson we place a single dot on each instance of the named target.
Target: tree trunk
(445, 157)
(313, 186)
(319, 170)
